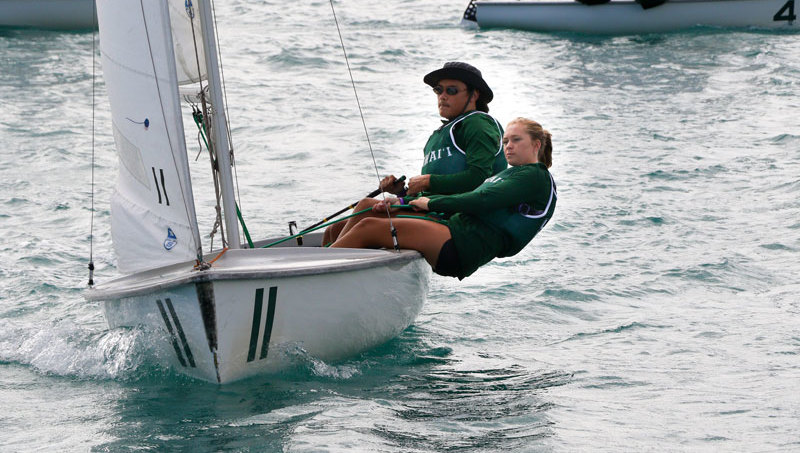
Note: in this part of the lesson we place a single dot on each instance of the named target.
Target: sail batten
(153, 215)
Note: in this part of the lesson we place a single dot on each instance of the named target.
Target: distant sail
(153, 220)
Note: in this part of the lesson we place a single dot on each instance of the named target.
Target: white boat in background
(629, 16)
(48, 14)
(230, 313)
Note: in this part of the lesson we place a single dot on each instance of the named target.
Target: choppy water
(659, 310)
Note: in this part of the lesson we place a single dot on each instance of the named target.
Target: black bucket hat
(464, 72)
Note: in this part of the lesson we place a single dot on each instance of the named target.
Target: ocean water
(658, 311)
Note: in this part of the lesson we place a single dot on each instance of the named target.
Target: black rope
(91, 222)
(363, 122)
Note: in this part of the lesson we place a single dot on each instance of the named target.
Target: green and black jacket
(500, 217)
(462, 153)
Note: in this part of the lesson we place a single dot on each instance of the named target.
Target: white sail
(190, 61)
(153, 221)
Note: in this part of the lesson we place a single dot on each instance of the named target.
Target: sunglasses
(451, 90)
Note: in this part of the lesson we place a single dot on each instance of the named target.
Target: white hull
(625, 17)
(50, 14)
(238, 318)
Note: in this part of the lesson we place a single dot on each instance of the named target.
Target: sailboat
(48, 14)
(234, 312)
(630, 16)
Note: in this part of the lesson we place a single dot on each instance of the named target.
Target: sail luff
(219, 128)
(179, 152)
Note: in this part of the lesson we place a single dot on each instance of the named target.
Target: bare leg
(363, 204)
(425, 236)
(337, 229)
(332, 232)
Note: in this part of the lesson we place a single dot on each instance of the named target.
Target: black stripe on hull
(255, 328)
(176, 333)
(182, 336)
(273, 295)
(251, 353)
(171, 332)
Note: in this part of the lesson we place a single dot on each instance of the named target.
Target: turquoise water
(658, 311)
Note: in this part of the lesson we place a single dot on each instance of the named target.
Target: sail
(153, 221)
(187, 40)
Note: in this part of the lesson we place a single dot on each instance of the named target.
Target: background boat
(48, 14)
(628, 16)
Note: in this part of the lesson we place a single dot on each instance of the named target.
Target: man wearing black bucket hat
(461, 153)
(468, 147)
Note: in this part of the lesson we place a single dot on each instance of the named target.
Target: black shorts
(448, 264)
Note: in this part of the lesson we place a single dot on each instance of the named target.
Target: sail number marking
(786, 13)
(163, 187)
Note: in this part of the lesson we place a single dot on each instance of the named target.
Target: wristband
(402, 201)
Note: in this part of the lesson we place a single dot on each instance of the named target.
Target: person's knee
(365, 203)
(367, 224)
(362, 234)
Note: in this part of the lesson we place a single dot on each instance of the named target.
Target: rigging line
(364, 123)
(190, 12)
(214, 175)
(199, 249)
(201, 135)
(207, 125)
(94, 82)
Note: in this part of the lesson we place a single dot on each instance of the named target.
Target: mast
(219, 132)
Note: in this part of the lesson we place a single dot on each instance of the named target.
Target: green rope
(244, 227)
(238, 212)
(315, 228)
(202, 130)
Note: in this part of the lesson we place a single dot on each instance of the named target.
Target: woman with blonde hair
(497, 219)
